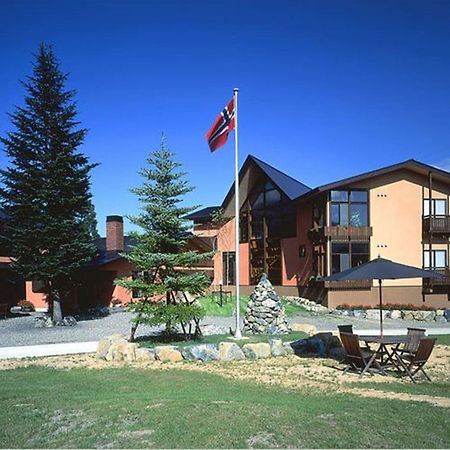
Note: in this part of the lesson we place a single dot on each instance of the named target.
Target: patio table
(384, 342)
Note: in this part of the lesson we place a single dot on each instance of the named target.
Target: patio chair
(345, 329)
(410, 364)
(414, 336)
(361, 360)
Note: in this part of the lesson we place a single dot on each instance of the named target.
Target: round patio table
(387, 346)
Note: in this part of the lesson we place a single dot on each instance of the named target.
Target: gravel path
(21, 330)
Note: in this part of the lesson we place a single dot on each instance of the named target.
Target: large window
(348, 254)
(229, 268)
(349, 208)
(438, 207)
(438, 259)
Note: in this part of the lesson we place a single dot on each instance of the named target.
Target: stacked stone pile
(265, 313)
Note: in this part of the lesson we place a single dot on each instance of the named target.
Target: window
(438, 207)
(229, 268)
(349, 208)
(438, 259)
(348, 254)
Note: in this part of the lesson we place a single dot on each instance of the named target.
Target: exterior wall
(36, 298)
(120, 268)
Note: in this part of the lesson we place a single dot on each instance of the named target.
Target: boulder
(257, 351)
(168, 353)
(424, 315)
(288, 350)
(145, 354)
(305, 327)
(103, 348)
(203, 352)
(396, 314)
(407, 315)
(69, 321)
(440, 319)
(360, 313)
(276, 347)
(122, 351)
(230, 351)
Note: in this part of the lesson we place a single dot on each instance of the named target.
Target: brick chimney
(114, 233)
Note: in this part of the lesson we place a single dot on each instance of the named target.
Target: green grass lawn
(153, 341)
(212, 308)
(442, 339)
(129, 407)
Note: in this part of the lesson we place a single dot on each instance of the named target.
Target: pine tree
(160, 254)
(45, 190)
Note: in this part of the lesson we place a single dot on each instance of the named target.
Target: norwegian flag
(218, 134)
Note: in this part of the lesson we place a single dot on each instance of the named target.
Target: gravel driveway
(21, 330)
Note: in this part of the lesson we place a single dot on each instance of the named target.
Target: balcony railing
(436, 224)
(340, 231)
(444, 281)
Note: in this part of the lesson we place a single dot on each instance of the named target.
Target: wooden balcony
(445, 281)
(339, 232)
(436, 224)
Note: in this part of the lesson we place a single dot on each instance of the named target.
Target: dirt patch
(318, 374)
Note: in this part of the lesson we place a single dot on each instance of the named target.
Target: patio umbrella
(381, 269)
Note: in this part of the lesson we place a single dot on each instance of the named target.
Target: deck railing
(436, 224)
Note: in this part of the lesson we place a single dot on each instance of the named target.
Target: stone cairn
(265, 313)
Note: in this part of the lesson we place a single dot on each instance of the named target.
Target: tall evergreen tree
(160, 254)
(45, 190)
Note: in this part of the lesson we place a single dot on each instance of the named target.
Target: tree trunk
(57, 311)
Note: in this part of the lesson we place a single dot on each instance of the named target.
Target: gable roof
(291, 187)
(410, 164)
(202, 214)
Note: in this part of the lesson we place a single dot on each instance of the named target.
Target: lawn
(153, 341)
(130, 407)
(442, 339)
(212, 308)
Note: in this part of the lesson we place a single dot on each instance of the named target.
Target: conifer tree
(160, 254)
(45, 190)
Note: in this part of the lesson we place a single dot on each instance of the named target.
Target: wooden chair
(410, 364)
(345, 329)
(414, 336)
(361, 360)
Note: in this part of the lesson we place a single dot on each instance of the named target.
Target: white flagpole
(237, 333)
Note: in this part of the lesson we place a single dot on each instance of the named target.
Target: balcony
(436, 224)
(339, 232)
(445, 281)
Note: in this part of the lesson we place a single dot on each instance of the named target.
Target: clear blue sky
(328, 89)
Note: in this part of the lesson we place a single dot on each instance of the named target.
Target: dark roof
(411, 164)
(291, 187)
(204, 213)
(107, 256)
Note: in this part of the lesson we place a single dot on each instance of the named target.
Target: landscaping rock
(396, 314)
(305, 327)
(145, 354)
(69, 321)
(440, 319)
(203, 352)
(408, 315)
(103, 348)
(424, 315)
(360, 313)
(168, 354)
(229, 351)
(276, 347)
(265, 313)
(257, 351)
(122, 351)
(288, 348)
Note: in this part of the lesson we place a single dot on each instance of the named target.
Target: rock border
(117, 348)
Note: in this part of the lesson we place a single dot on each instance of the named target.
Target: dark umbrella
(381, 269)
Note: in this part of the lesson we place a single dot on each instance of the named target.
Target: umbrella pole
(381, 308)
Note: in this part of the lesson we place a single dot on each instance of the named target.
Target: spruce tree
(45, 190)
(159, 254)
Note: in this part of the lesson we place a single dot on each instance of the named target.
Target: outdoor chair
(356, 358)
(345, 329)
(410, 364)
(414, 336)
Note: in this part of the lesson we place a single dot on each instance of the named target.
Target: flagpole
(237, 333)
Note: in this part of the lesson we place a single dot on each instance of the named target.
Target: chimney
(114, 233)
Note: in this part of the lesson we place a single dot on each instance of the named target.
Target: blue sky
(328, 89)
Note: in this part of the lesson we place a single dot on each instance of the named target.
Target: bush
(26, 306)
